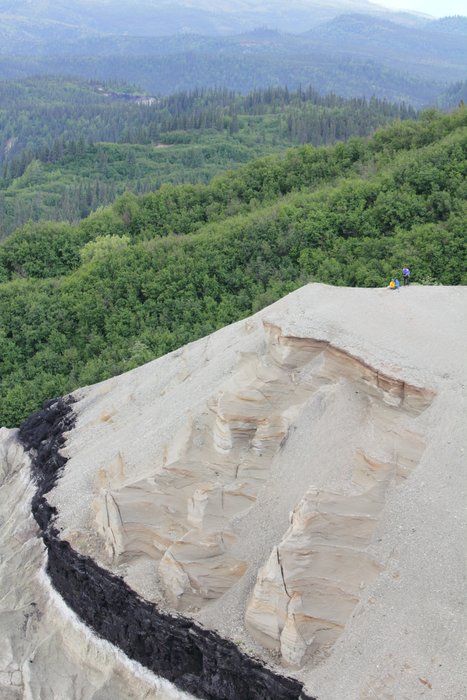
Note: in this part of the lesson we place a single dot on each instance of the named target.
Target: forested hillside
(243, 68)
(67, 147)
(150, 273)
(454, 95)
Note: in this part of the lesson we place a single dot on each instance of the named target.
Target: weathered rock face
(182, 515)
(228, 515)
(195, 659)
(313, 578)
(45, 651)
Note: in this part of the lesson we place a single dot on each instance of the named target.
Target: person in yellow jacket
(392, 284)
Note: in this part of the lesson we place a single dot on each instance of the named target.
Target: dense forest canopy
(149, 273)
(67, 147)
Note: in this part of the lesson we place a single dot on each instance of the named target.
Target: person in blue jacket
(406, 276)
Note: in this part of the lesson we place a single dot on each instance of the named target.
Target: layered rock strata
(182, 515)
(284, 490)
(193, 658)
(314, 577)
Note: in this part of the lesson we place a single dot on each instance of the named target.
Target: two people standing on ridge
(395, 284)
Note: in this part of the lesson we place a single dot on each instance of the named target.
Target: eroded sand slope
(295, 482)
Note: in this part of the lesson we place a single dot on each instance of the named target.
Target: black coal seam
(195, 659)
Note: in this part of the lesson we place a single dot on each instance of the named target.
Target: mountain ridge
(162, 18)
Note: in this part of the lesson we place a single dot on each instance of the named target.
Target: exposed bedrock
(338, 364)
(314, 577)
(182, 514)
(195, 659)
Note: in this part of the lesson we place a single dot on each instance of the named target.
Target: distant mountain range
(436, 49)
(351, 47)
(35, 21)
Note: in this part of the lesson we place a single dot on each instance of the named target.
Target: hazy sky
(437, 8)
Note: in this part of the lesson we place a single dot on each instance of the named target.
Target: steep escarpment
(313, 579)
(267, 512)
(185, 515)
(195, 659)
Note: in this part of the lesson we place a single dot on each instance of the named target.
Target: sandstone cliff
(275, 506)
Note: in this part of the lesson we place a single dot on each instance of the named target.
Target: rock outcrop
(314, 577)
(233, 516)
(195, 659)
